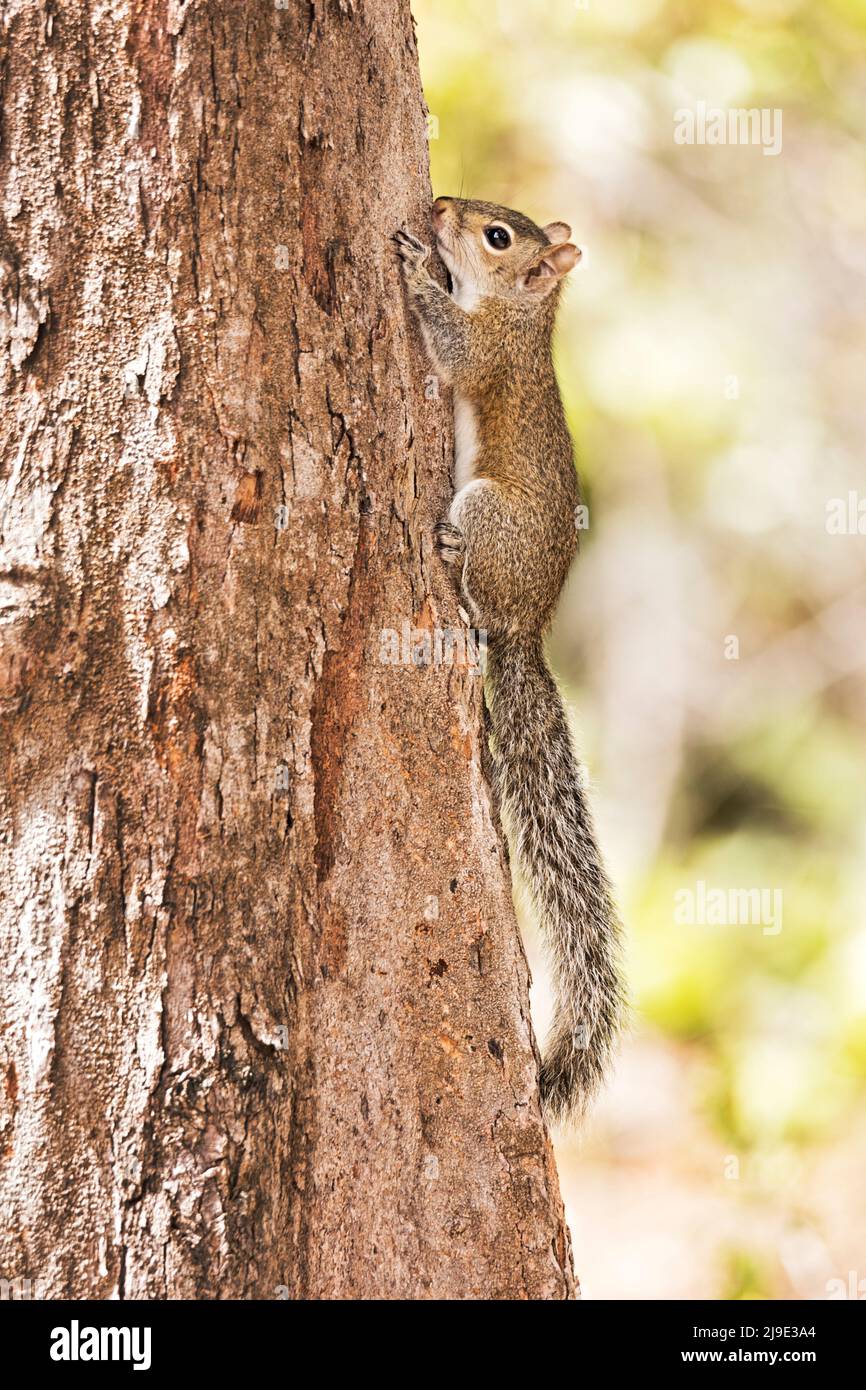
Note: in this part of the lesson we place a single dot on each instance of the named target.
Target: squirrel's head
(495, 252)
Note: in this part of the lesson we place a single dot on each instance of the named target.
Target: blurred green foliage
(744, 1277)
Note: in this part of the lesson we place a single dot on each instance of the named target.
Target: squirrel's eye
(497, 237)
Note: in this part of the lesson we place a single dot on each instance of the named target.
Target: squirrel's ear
(557, 232)
(549, 267)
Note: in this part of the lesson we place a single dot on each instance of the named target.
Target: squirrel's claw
(449, 543)
(401, 236)
(411, 251)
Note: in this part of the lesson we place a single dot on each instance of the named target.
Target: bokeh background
(712, 354)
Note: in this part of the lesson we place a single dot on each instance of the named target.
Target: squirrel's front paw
(412, 252)
(450, 543)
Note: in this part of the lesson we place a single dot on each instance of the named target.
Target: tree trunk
(265, 1016)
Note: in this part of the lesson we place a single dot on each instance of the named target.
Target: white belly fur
(465, 440)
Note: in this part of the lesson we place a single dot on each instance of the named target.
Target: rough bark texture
(265, 1021)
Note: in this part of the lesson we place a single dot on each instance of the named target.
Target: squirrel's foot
(450, 543)
(412, 252)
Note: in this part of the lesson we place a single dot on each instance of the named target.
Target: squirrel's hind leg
(492, 572)
(451, 547)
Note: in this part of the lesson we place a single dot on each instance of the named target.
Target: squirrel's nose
(439, 208)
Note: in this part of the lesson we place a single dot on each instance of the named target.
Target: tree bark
(265, 1012)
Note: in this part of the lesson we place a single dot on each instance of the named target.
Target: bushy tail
(545, 805)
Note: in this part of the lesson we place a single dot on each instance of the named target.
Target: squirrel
(510, 537)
